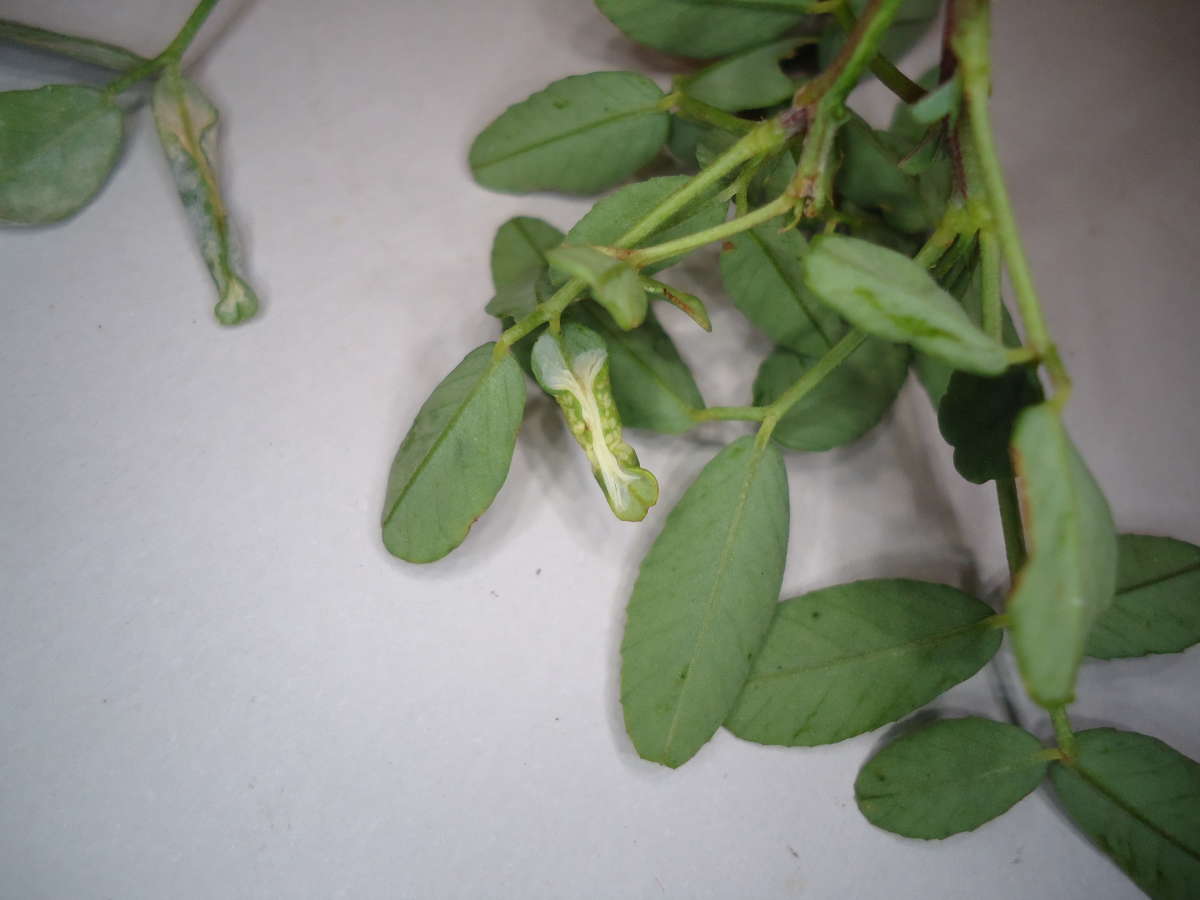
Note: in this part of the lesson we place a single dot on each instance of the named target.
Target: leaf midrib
(873, 653)
(1159, 579)
(433, 448)
(710, 604)
(1119, 802)
(565, 135)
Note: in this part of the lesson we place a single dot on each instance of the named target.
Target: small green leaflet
(574, 370)
(847, 403)
(612, 216)
(653, 386)
(762, 272)
(703, 602)
(700, 28)
(1071, 573)
(847, 659)
(518, 261)
(751, 79)
(941, 102)
(684, 140)
(949, 777)
(1157, 606)
(98, 53)
(580, 135)
(455, 457)
(187, 128)
(614, 284)
(976, 417)
(58, 145)
(1139, 800)
(689, 304)
(888, 295)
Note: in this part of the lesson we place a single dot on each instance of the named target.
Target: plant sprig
(60, 143)
(860, 252)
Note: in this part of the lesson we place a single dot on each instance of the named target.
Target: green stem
(834, 357)
(173, 53)
(861, 48)
(697, 111)
(971, 47)
(658, 252)
(729, 413)
(938, 243)
(989, 262)
(98, 53)
(882, 67)
(1010, 523)
(1062, 732)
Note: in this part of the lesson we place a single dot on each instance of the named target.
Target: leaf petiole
(836, 355)
(173, 53)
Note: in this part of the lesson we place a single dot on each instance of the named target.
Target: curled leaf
(615, 284)
(187, 128)
(574, 369)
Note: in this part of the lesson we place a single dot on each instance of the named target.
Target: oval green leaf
(1139, 801)
(751, 79)
(1157, 605)
(703, 602)
(702, 29)
(653, 386)
(870, 176)
(949, 777)
(455, 457)
(612, 216)
(847, 659)
(848, 402)
(890, 296)
(58, 145)
(187, 129)
(761, 269)
(614, 284)
(518, 262)
(1071, 574)
(976, 417)
(580, 135)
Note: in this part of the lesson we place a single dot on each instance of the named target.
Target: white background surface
(214, 682)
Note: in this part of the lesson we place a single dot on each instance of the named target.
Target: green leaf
(887, 294)
(847, 659)
(689, 304)
(455, 457)
(580, 135)
(761, 269)
(1157, 606)
(751, 79)
(612, 216)
(57, 146)
(1139, 801)
(976, 417)
(653, 386)
(702, 29)
(574, 370)
(703, 602)
(949, 777)
(871, 177)
(848, 402)
(187, 129)
(1071, 573)
(615, 284)
(98, 53)
(683, 141)
(518, 261)
(934, 373)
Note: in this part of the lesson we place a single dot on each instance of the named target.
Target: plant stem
(1062, 732)
(658, 252)
(971, 46)
(698, 111)
(173, 53)
(861, 47)
(730, 413)
(1010, 523)
(834, 357)
(989, 263)
(882, 67)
